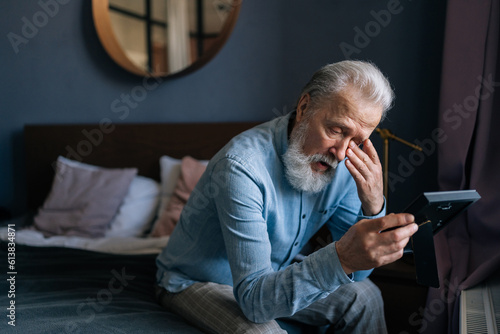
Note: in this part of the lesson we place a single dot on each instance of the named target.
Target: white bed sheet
(114, 245)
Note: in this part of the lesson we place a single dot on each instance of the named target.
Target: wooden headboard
(117, 145)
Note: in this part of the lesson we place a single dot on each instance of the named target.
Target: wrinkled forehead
(350, 104)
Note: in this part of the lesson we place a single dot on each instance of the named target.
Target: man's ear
(302, 106)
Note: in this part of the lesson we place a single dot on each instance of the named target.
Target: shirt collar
(281, 133)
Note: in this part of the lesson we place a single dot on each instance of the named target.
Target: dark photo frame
(433, 211)
(441, 207)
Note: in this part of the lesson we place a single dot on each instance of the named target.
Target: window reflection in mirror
(166, 36)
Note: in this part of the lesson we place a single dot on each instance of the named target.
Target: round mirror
(163, 37)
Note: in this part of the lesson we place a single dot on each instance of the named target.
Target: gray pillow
(83, 199)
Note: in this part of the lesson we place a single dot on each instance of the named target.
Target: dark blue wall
(61, 74)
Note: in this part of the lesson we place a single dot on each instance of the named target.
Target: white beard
(298, 169)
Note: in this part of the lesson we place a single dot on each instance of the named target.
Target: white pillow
(138, 209)
(170, 170)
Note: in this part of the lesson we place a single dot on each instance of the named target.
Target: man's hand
(365, 246)
(364, 166)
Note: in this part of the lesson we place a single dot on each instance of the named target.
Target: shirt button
(296, 244)
(303, 216)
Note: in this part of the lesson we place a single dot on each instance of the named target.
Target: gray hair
(363, 76)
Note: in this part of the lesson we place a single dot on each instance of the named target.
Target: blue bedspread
(61, 290)
(64, 290)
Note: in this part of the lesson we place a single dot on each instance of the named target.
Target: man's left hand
(364, 166)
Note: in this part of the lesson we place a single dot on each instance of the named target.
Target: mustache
(327, 159)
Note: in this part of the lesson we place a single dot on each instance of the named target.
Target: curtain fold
(468, 250)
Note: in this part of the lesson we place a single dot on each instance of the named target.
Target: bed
(77, 284)
(64, 281)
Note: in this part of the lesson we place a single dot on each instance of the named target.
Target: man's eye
(336, 131)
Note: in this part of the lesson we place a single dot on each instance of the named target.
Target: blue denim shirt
(244, 224)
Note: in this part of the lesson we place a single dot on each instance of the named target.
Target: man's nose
(339, 149)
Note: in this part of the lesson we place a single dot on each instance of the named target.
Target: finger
(383, 223)
(399, 237)
(397, 246)
(355, 172)
(363, 179)
(394, 221)
(367, 154)
(370, 150)
(359, 161)
(358, 152)
(389, 258)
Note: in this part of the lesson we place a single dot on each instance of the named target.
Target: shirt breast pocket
(318, 219)
(323, 215)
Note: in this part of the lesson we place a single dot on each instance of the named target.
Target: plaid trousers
(211, 307)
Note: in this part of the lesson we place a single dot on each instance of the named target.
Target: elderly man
(228, 265)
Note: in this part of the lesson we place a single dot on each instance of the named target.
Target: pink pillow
(191, 172)
(83, 199)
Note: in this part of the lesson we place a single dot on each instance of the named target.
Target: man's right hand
(364, 246)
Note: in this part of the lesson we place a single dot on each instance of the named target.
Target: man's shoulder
(255, 143)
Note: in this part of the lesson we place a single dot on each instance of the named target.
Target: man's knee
(212, 307)
(368, 293)
(357, 299)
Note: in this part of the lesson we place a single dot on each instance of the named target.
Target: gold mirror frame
(105, 32)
